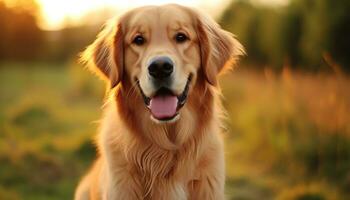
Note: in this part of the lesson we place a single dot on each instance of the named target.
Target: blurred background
(288, 103)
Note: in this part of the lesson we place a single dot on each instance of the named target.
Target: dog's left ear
(105, 56)
(219, 49)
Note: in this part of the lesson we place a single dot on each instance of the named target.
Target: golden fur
(140, 158)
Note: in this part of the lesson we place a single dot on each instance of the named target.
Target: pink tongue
(163, 106)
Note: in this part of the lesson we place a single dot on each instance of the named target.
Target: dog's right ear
(105, 56)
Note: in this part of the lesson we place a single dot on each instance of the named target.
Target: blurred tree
(241, 19)
(339, 31)
(299, 34)
(68, 42)
(23, 40)
(21, 37)
(291, 24)
(259, 30)
(27, 5)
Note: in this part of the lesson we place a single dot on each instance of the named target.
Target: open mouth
(165, 105)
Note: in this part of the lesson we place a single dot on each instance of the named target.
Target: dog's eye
(180, 37)
(139, 40)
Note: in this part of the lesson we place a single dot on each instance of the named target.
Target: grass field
(288, 135)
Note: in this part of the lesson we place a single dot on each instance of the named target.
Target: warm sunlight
(56, 14)
(276, 126)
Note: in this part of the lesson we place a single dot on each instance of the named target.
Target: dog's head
(162, 50)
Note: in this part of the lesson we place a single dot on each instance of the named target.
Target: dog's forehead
(167, 16)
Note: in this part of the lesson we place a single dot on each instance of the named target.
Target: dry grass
(289, 131)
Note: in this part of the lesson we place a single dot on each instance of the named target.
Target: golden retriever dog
(160, 133)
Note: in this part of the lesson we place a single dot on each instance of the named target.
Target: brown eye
(180, 37)
(139, 40)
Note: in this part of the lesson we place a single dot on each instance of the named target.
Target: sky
(56, 14)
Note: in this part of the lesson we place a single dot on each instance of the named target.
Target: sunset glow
(56, 14)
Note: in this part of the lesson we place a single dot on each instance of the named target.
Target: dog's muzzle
(165, 105)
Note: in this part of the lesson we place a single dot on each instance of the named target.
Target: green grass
(287, 136)
(47, 122)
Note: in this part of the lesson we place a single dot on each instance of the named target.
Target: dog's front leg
(208, 188)
(123, 187)
(121, 184)
(211, 180)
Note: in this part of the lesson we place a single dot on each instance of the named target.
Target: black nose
(161, 67)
